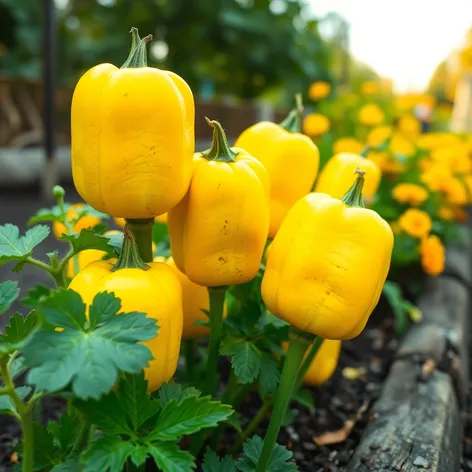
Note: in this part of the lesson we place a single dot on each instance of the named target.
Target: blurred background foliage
(238, 49)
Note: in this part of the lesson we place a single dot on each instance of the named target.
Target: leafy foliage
(212, 463)
(400, 306)
(88, 358)
(88, 239)
(9, 292)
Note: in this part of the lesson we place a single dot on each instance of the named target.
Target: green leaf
(9, 292)
(212, 463)
(139, 455)
(305, 398)
(14, 247)
(246, 362)
(6, 404)
(173, 391)
(88, 360)
(116, 242)
(44, 451)
(56, 213)
(170, 458)
(65, 432)
(19, 328)
(17, 367)
(70, 465)
(35, 295)
(107, 454)
(87, 239)
(393, 293)
(280, 459)
(269, 375)
(234, 421)
(187, 417)
(104, 306)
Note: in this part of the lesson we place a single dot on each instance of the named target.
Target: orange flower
(85, 222)
(319, 90)
(371, 115)
(348, 144)
(315, 124)
(433, 255)
(409, 193)
(416, 223)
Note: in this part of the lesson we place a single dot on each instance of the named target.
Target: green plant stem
(24, 417)
(217, 301)
(142, 231)
(313, 350)
(189, 353)
(299, 343)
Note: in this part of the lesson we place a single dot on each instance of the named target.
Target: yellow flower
(436, 177)
(378, 135)
(348, 144)
(319, 90)
(416, 223)
(468, 186)
(424, 164)
(315, 124)
(433, 255)
(411, 194)
(446, 213)
(455, 157)
(409, 126)
(399, 144)
(455, 191)
(371, 115)
(369, 87)
(381, 158)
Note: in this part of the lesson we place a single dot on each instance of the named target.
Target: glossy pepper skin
(132, 137)
(336, 175)
(156, 292)
(324, 364)
(218, 231)
(291, 160)
(327, 265)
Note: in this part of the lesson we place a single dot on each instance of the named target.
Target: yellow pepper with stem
(151, 288)
(290, 158)
(219, 230)
(336, 175)
(132, 137)
(328, 263)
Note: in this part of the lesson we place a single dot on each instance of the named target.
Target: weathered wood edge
(417, 423)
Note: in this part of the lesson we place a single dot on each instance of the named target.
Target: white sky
(402, 39)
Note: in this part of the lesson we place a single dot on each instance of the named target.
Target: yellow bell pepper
(132, 137)
(218, 231)
(324, 364)
(336, 175)
(85, 222)
(290, 158)
(153, 289)
(328, 263)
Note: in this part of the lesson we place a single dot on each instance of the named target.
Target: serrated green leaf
(269, 376)
(170, 391)
(187, 417)
(9, 292)
(170, 458)
(107, 454)
(280, 459)
(305, 398)
(17, 367)
(234, 421)
(139, 455)
(64, 309)
(65, 432)
(56, 213)
(35, 295)
(44, 452)
(89, 360)
(19, 328)
(70, 465)
(104, 306)
(246, 362)
(6, 404)
(14, 247)
(212, 463)
(87, 239)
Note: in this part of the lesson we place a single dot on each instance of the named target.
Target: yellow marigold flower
(436, 177)
(351, 145)
(433, 255)
(315, 124)
(416, 223)
(381, 158)
(371, 115)
(409, 126)
(399, 144)
(455, 157)
(378, 135)
(455, 191)
(424, 164)
(319, 90)
(411, 194)
(369, 87)
(446, 213)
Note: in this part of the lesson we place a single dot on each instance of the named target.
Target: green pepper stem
(299, 343)
(310, 357)
(138, 55)
(129, 255)
(293, 121)
(217, 301)
(353, 197)
(142, 232)
(220, 150)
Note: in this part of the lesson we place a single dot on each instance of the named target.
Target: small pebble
(308, 446)
(421, 462)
